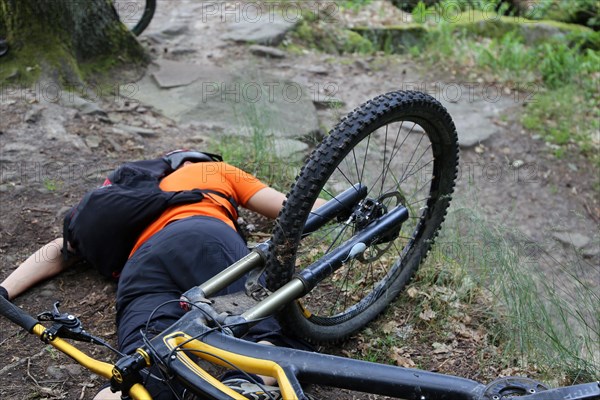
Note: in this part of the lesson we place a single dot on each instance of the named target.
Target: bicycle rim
(402, 147)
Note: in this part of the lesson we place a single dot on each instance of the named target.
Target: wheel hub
(368, 211)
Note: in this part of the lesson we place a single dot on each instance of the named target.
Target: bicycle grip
(17, 315)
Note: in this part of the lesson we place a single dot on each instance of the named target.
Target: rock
(175, 30)
(319, 70)
(532, 32)
(234, 100)
(93, 141)
(472, 112)
(289, 149)
(53, 127)
(19, 147)
(115, 117)
(182, 51)
(171, 74)
(73, 369)
(116, 146)
(363, 65)
(121, 132)
(56, 373)
(137, 130)
(517, 164)
(266, 51)
(34, 114)
(577, 240)
(83, 105)
(13, 75)
(592, 250)
(266, 28)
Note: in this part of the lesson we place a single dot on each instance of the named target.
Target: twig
(29, 374)
(591, 212)
(20, 362)
(10, 337)
(39, 210)
(83, 386)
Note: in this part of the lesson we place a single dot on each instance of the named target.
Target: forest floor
(52, 152)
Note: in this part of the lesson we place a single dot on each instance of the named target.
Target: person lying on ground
(187, 245)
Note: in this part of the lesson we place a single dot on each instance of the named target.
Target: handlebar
(17, 315)
(287, 365)
(31, 325)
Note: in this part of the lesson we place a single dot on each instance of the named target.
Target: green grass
(486, 287)
(550, 315)
(565, 107)
(256, 152)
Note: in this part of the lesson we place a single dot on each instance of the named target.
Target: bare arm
(46, 262)
(269, 201)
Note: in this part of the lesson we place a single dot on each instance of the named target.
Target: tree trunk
(63, 40)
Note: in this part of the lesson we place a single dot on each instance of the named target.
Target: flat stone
(181, 51)
(577, 240)
(136, 130)
(472, 114)
(73, 369)
(266, 51)
(56, 373)
(18, 147)
(53, 124)
(115, 117)
(319, 70)
(93, 141)
(173, 73)
(175, 30)
(266, 28)
(84, 106)
(288, 149)
(234, 100)
(34, 114)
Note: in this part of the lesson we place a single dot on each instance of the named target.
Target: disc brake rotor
(375, 251)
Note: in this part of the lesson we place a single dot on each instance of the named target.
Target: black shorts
(184, 254)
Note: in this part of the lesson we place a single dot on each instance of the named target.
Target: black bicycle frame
(321, 369)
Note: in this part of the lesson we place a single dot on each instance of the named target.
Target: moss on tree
(64, 41)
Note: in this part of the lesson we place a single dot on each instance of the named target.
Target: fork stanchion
(341, 205)
(382, 227)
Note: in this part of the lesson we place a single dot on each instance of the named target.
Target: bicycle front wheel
(401, 146)
(135, 14)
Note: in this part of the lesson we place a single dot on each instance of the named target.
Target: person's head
(178, 158)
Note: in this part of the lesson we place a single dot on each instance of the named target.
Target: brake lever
(65, 326)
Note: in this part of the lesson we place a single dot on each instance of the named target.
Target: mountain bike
(135, 14)
(387, 171)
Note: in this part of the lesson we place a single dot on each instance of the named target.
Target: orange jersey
(218, 176)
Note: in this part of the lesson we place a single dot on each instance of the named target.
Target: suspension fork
(343, 203)
(309, 277)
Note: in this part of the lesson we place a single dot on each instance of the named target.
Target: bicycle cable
(143, 332)
(233, 367)
(218, 327)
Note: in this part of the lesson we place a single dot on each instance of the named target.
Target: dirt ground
(52, 153)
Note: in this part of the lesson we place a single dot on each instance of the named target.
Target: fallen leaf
(389, 327)
(412, 292)
(402, 361)
(427, 315)
(440, 348)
